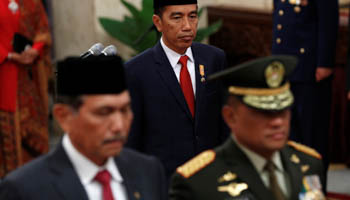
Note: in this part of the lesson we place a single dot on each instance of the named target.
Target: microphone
(110, 50)
(94, 50)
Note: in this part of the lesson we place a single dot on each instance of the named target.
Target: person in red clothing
(23, 83)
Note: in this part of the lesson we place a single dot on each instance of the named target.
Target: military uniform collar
(258, 161)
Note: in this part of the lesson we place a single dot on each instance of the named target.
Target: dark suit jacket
(205, 182)
(163, 125)
(52, 177)
(314, 29)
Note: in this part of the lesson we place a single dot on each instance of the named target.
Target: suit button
(279, 27)
(283, 1)
(278, 40)
(302, 50)
(293, 2)
(297, 9)
(281, 12)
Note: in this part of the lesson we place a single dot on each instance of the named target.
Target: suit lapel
(239, 162)
(65, 179)
(294, 171)
(129, 179)
(168, 76)
(199, 84)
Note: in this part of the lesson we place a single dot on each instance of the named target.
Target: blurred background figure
(308, 29)
(24, 72)
(176, 112)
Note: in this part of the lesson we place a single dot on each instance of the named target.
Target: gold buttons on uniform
(279, 26)
(292, 1)
(302, 50)
(281, 12)
(283, 1)
(278, 40)
(297, 9)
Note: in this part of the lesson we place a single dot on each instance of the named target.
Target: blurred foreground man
(257, 162)
(90, 162)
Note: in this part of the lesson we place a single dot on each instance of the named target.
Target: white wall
(72, 33)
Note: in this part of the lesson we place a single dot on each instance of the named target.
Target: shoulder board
(197, 163)
(305, 149)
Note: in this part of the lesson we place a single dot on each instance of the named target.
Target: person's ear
(229, 115)
(63, 115)
(157, 21)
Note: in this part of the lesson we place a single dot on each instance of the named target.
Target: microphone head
(96, 49)
(110, 50)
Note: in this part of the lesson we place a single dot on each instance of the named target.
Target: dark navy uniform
(308, 30)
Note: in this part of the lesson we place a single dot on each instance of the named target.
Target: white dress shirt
(87, 171)
(174, 58)
(259, 163)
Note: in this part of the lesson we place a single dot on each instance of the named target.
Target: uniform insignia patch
(295, 159)
(234, 189)
(312, 188)
(274, 74)
(197, 163)
(305, 149)
(305, 168)
(229, 176)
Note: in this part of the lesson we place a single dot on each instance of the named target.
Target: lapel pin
(295, 159)
(202, 73)
(229, 176)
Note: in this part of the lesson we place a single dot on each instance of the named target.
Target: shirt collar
(258, 161)
(84, 167)
(173, 56)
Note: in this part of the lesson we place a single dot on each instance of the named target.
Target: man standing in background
(176, 111)
(308, 29)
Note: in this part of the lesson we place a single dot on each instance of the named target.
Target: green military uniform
(227, 172)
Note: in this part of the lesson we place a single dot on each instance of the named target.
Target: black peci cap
(262, 83)
(93, 75)
(162, 3)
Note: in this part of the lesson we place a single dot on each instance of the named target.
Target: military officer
(308, 29)
(257, 162)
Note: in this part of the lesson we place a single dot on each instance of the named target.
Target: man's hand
(304, 2)
(322, 73)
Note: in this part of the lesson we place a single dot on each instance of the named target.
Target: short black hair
(159, 11)
(74, 102)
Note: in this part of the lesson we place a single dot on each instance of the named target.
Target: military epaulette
(197, 163)
(305, 149)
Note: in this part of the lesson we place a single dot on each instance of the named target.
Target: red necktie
(104, 178)
(186, 84)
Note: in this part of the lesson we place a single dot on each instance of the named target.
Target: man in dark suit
(176, 111)
(90, 162)
(257, 162)
(308, 29)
